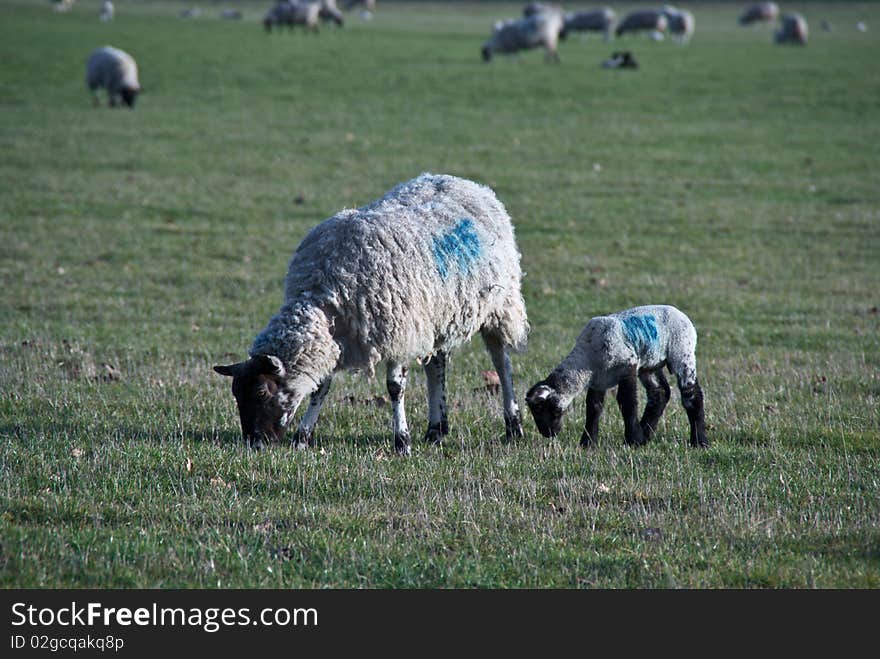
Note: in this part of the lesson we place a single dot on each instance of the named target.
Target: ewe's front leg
(628, 402)
(501, 360)
(438, 425)
(396, 383)
(302, 438)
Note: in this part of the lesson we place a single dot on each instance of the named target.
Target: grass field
(733, 178)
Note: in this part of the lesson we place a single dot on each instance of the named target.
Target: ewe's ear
(268, 365)
(231, 370)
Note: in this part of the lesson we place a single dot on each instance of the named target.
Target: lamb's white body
(619, 350)
(107, 11)
(113, 70)
(642, 338)
(539, 30)
(411, 276)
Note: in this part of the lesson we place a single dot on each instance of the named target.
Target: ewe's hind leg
(628, 402)
(396, 382)
(438, 425)
(595, 405)
(658, 396)
(302, 438)
(501, 360)
(692, 400)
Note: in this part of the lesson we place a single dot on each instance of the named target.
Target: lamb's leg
(628, 402)
(658, 396)
(501, 360)
(595, 405)
(396, 382)
(438, 424)
(302, 438)
(692, 400)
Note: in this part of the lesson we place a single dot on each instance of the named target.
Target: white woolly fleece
(418, 271)
(642, 338)
(112, 69)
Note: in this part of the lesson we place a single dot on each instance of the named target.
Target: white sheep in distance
(541, 29)
(652, 20)
(328, 11)
(792, 29)
(107, 11)
(680, 23)
(290, 13)
(619, 350)
(115, 71)
(411, 276)
(598, 20)
(762, 12)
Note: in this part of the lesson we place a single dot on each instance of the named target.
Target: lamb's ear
(232, 370)
(539, 393)
(268, 365)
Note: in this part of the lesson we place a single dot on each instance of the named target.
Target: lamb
(107, 11)
(412, 275)
(599, 20)
(116, 71)
(643, 19)
(541, 29)
(680, 23)
(792, 29)
(762, 12)
(620, 349)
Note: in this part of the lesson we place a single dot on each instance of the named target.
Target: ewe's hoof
(256, 444)
(513, 428)
(587, 441)
(635, 439)
(434, 435)
(702, 442)
(402, 444)
(302, 440)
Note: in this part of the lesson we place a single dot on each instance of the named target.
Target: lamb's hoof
(635, 439)
(700, 442)
(647, 432)
(402, 444)
(434, 435)
(256, 444)
(587, 441)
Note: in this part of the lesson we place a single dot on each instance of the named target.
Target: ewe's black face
(546, 408)
(265, 407)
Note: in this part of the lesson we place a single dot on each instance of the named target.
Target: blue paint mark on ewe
(642, 333)
(456, 248)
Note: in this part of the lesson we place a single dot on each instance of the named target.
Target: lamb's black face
(264, 405)
(546, 408)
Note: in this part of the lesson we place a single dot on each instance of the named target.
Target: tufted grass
(734, 179)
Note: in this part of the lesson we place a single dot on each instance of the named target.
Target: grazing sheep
(792, 29)
(369, 5)
(291, 13)
(599, 20)
(621, 349)
(410, 276)
(190, 12)
(513, 35)
(328, 11)
(107, 11)
(652, 20)
(231, 15)
(116, 71)
(763, 12)
(680, 23)
(62, 5)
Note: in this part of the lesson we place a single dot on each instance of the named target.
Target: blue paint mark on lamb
(456, 248)
(641, 331)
